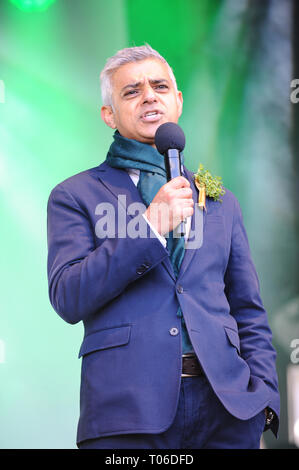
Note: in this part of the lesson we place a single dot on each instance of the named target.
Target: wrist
(158, 235)
(153, 221)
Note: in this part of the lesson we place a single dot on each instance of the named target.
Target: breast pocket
(214, 219)
(214, 237)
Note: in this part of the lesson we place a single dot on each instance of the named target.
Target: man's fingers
(179, 182)
(184, 192)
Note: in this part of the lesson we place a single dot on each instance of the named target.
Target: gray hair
(125, 56)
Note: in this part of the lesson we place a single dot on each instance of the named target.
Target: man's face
(143, 97)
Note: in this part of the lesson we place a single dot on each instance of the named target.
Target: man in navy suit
(177, 350)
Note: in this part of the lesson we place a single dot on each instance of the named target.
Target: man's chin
(149, 134)
(147, 140)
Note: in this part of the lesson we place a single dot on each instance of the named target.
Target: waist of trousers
(191, 366)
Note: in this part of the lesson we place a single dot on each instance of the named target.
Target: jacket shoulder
(229, 196)
(76, 184)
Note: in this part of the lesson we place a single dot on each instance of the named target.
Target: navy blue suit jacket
(125, 292)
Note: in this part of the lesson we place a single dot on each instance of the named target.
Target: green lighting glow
(237, 120)
(32, 5)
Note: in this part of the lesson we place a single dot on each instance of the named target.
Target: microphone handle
(173, 169)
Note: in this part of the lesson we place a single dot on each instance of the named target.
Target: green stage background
(234, 64)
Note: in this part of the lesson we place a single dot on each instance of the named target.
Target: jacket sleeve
(84, 277)
(243, 294)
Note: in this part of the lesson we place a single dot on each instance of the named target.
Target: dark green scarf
(128, 153)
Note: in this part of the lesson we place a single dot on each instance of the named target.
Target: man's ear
(108, 116)
(180, 102)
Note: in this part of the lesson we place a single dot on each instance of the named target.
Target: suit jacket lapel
(119, 183)
(201, 215)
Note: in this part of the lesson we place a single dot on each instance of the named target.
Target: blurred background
(236, 62)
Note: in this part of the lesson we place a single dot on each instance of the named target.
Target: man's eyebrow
(131, 85)
(153, 81)
(157, 81)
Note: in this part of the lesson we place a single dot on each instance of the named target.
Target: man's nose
(149, 95)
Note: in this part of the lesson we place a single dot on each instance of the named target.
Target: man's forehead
(135, 72)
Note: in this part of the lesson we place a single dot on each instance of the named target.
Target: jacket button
(180, 289)
(174, 331)
(146, 265)
(142, 268)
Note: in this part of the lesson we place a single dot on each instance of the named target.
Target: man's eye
(131, 92)
(161, 87)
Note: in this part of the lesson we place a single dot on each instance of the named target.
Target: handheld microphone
(170, 142)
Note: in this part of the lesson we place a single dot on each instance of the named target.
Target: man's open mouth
(151, 116)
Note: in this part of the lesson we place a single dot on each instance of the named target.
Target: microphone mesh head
(169, 136)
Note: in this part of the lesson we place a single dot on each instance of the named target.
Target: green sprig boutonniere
(208, 186)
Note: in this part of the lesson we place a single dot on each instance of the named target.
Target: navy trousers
(201, 422)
